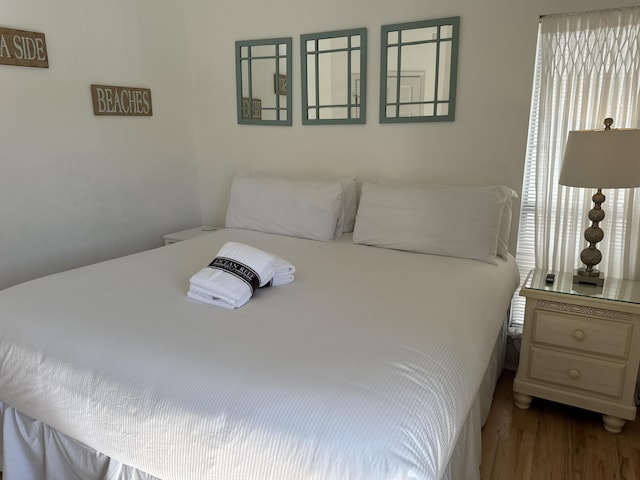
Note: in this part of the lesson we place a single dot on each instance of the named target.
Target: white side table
(186, 234)
(581, 346)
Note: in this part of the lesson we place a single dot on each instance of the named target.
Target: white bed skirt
(467, 455)
(24, 441)
(30, 449)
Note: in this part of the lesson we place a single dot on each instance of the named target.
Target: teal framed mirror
(263, 79)
(334, 77)
(418, 71)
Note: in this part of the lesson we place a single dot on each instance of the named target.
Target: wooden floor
(552, 441)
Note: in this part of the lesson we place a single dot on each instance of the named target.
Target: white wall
(484, 145)
(76, 188)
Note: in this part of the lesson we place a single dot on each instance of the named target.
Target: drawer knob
(573, 373)
(579, 335)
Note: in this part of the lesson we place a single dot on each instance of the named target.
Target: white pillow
(507, 212)
(350, 199)
(505, 224)
(299, 208)
(454, 221)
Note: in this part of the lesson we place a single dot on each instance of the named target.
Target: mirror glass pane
(334, 77)
(311, 82)
(263, 70)
(419, 34)
(333, 112)
(259, 51)
(392, 77)
(444, 70)
(418, 71)
(245, 76)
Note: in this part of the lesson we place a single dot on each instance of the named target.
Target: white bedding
(366, 366)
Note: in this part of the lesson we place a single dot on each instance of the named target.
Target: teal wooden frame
(361, 101)
(249, 58)
(399, 28)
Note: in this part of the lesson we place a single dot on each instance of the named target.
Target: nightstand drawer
(575, 372)
(604, 337)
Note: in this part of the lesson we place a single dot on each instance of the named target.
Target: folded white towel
(205, 297)
(282, 267)
(233, 275)
(283, 272)
(278, 280)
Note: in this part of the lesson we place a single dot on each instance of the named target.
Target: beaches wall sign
(121, 101)
(23, 48)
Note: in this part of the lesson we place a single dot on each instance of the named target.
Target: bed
(378, 361)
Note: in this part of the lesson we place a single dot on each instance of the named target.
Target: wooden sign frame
(23, 48)
(121, 101)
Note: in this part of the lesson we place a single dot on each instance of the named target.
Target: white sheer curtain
(587, 69)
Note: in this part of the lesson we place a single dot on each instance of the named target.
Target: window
(587, 69)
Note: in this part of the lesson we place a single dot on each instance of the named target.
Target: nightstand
(580, 346)
(186, 234)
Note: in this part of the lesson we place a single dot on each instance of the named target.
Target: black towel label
(237, 269)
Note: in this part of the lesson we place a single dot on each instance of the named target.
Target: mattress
(367, 366)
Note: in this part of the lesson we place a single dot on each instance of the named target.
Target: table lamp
(608, 158)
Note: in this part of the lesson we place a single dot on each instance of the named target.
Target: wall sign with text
(121, 101)
(22, 48)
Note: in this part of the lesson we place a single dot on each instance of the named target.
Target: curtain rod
(589, 11)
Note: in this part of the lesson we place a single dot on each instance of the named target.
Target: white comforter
(365, 367)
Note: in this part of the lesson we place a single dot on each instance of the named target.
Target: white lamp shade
(602, 159)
